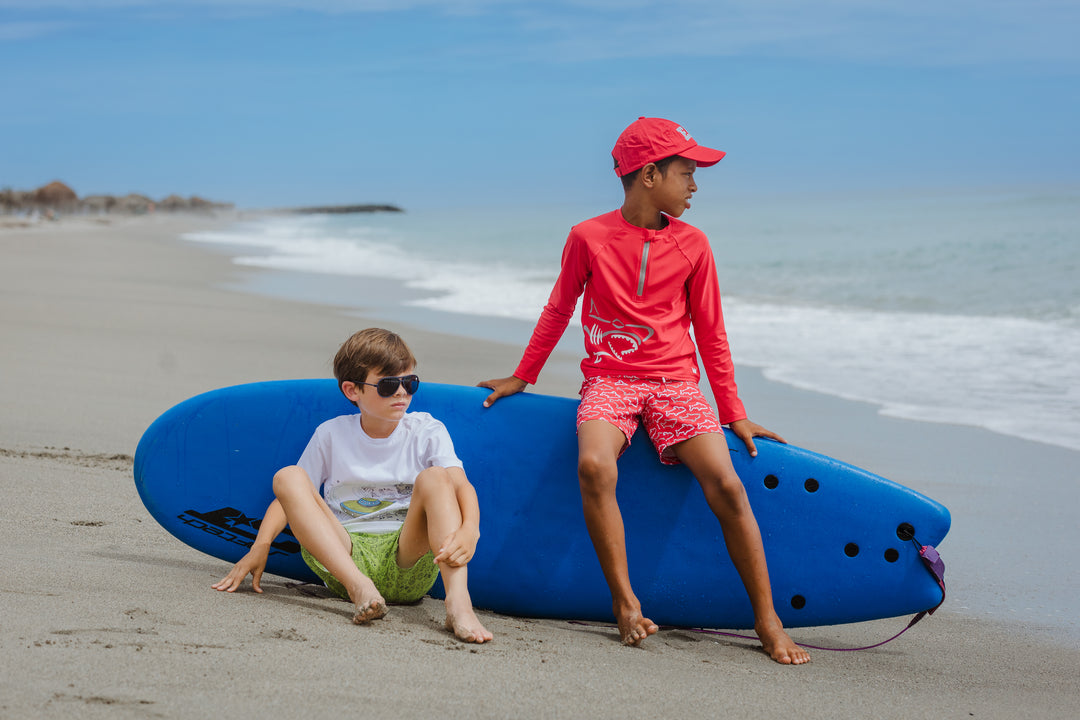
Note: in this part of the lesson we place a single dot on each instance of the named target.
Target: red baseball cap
(650, 139)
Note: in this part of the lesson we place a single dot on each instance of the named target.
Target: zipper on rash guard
(644, 264)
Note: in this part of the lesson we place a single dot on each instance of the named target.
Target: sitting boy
(378, 500)
(647, 278)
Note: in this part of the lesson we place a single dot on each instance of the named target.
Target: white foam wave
(1010, 375)
(494, 290)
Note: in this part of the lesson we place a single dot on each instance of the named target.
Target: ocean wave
(1014, 376)
(1010, 374)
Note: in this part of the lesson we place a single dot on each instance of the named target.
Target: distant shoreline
(56, 197)
(342, 209)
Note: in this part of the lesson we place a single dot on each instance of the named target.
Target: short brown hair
(370, 350)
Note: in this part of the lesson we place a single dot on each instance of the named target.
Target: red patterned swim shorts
(672, 410)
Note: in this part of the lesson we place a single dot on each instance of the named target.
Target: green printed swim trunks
(376, 556)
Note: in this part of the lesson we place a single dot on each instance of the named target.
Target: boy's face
(376, 406)
(671, 191)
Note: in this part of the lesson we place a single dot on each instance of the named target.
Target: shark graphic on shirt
(614, 338)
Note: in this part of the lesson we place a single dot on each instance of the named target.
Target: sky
(273, 103)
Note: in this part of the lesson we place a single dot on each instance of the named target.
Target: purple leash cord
(927, 553)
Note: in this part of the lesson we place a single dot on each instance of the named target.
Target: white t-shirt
(368, 482)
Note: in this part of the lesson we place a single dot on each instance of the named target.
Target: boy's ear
(649, 175)
(351, 391)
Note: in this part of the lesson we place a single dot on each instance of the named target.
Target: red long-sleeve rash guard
(643, 290)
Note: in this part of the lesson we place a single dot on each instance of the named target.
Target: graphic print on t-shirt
(364, 506)
(614, 338)
(379, 502)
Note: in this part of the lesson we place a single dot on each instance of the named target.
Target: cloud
(960, 32)
(316, 6)
(903, 32)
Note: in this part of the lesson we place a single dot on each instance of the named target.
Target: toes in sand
(467, 627)
(780, 647)
(634, 628)
(369, 610)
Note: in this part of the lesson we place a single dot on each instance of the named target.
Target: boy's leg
(708, 459)
(434, 515)
(599, 445)
(322, 535)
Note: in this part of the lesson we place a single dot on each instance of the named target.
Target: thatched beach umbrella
(55, 195)
(135, 204)
(173, 203)
(14, 200)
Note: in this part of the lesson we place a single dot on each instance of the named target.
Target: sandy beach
(106, 325)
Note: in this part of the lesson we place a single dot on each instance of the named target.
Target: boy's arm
(711, 336)
(254, 562)
(552, 323)
(459, 547)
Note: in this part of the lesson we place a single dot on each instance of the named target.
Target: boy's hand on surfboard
(502, 387)
(251, 564)
(746, 430)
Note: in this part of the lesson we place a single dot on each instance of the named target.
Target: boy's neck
(377, 428)
(643, 215)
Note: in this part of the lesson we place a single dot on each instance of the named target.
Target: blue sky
(510, 102)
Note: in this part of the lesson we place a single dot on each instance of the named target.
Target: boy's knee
(433, 479)
(289, 478)
(596, 476)
(727, 490)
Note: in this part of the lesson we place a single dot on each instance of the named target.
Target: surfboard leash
(931, 559)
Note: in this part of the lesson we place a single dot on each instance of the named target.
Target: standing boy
(647, 278)
(378, 500)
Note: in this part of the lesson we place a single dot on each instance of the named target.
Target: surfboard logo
(614, 338)
(233, 526)
(364, 506)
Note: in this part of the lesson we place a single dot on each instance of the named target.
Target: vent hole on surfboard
(905, 531)
(811, 485)
(851, 549)
(892, 555)
(798, 602)
(772, 482)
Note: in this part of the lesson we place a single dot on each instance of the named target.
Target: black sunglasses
(387, 386)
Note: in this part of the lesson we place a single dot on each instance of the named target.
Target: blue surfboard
(837, 538)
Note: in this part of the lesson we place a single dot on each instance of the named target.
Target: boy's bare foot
(779, 646)
(633, 626)
(466, 626)
(370, 610)
(369, 602)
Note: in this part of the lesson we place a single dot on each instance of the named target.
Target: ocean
(950, 306)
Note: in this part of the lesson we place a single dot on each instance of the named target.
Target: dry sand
(104, 614)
